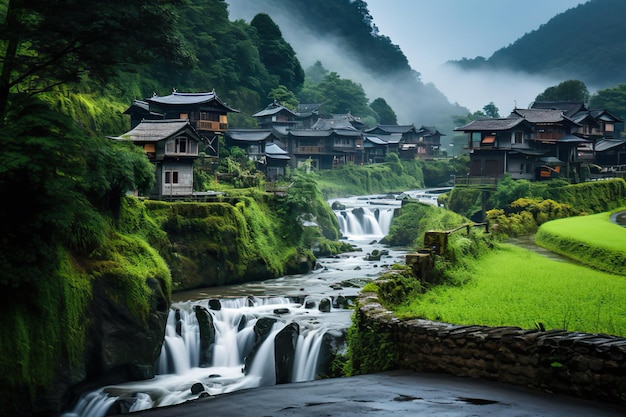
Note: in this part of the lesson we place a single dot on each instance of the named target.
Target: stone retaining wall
(591, 366)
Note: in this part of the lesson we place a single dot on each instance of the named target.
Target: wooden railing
(210, 125)
(311, 149)
(476, 182)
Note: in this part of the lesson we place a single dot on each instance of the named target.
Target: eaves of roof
(157, 130)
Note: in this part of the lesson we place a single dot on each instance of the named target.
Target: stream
(280, 330)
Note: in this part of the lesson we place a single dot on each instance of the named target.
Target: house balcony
(311, 150)
(210, 125)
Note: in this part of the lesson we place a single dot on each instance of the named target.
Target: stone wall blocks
(591, 366)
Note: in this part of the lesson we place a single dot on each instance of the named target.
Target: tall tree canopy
(44, 43)
(385, 113)
(570, 90)
(276, 54)
(612, 99)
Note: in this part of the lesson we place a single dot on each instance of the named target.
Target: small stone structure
(590, 366)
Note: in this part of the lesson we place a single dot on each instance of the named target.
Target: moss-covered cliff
(99, 319)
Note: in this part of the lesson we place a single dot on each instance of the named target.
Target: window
(213, 117)
(488, 140)
(518, 137)
(182, 145)
(171, 177)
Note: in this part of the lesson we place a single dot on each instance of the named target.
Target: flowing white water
(179, 367)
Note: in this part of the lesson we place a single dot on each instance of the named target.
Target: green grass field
(517, 287)
(592, 240)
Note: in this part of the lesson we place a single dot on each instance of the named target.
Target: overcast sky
(431, 32)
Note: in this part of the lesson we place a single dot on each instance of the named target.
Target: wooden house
(276, 161)
(329, 143)
(172, 145)
(263, 146)
(501, 146)
(377, 147)
(548, 140)
(206, 112)
(275, 114)
(308, 114)
(415, 143)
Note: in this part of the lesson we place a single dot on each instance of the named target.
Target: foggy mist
(430, 105)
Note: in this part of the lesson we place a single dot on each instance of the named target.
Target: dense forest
(581, 43)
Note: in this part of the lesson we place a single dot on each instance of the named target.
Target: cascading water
(181, 376)
(369, 220)
(237, 360)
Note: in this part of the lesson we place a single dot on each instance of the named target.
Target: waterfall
(179, 367)
(365, 222)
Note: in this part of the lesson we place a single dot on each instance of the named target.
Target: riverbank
(398, 393)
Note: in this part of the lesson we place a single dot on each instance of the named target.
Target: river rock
(285, 352)
(197, 388)
(324, 305)
(215, 304)
(207, 335)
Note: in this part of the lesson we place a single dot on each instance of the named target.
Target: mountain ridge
(585, 43)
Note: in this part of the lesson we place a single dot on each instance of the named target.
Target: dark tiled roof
(606, 144)
(328, 124)
(541, 115)
(431, 130)
(392, 128)
(274, 108)
(569, 108)
(480, 125)
(177, 98)
(157, 130)
(249, 135)
(272, 150)
(380, 139)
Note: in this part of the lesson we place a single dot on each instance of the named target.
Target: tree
(571, 90)
(491, 110)
(386, 115)
(276, 54)
(46, 43)
(612, 99)
(282, 95)
(343, 96)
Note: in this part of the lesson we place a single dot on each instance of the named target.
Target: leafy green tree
(61, 177)
(47, 43)
(276, 54)
(316, 72)
(571, 90)
(612, 99)
(282, 95)
(491, 110)
(343, 96)
(386, 115)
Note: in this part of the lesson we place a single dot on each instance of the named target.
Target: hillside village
(547, 140)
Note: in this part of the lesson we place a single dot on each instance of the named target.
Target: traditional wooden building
(264, 147)
(275, 114)
(329, 143)
(377, 147)
(550, 139)
(206, 112)
(172, 146)
(415, 143)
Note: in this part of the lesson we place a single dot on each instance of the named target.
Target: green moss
(371, 347)
(123, 265)
(37, 336)
(391, 176)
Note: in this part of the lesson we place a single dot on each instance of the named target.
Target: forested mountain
(342, 36)
(586, 43)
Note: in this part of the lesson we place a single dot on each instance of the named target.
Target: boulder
(207, 335)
